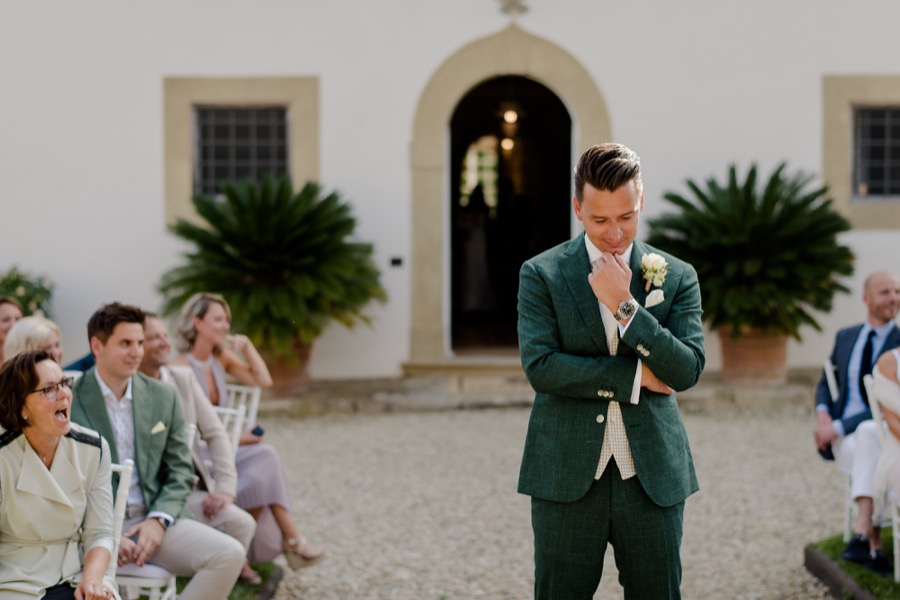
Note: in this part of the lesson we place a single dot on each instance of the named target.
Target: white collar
(594, 253)
(107, 391)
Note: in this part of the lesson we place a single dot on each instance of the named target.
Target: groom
(606, 336)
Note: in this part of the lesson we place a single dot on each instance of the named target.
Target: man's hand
(652, 382)
(149, 536)
(610, 280)
(215, 503)
(824, 433)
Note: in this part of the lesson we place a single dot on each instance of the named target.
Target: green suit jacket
(162, 457)
(565, 356)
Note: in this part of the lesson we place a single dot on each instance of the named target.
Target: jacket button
(599, 418)
(600, 393)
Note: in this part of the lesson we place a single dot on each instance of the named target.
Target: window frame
(299, 95)
(842, 96)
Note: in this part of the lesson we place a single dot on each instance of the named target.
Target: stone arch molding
(511, 51)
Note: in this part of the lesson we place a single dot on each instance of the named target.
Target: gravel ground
(423, 506)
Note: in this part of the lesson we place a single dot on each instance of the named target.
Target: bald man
(844, 430)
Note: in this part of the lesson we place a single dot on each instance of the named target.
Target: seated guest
(203, 337)
(887, 392)
(10, 312)
(844, 429)
(212, 500)
(34, 333)
(142, 418)
(55, 491)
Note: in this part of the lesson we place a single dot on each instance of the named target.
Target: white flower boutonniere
(654, 268)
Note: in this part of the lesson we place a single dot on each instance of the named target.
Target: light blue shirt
(855, 403)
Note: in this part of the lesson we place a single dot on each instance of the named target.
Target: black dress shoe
(857, 550)
(880, 564)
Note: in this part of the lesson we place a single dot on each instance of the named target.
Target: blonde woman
(34, 333)
(203, 337)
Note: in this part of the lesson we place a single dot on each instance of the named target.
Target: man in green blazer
(142, 420)
(609, 329)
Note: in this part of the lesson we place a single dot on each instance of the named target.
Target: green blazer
(162, 457)
(565, 356)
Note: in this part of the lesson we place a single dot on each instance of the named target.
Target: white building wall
(690, 85)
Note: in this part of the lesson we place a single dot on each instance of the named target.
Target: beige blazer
(199, 410)
(50, 518)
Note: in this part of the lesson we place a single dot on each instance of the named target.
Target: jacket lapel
(144, 418)
(92, 408)
(36, 479)
(576, 268)
(637, 279)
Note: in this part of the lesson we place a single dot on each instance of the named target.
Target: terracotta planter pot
(754, 358)
(290, 376)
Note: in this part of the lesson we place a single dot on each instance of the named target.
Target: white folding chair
(849, 504)
(120, 502)
(149, 580)
(246, 395)
(233, 420)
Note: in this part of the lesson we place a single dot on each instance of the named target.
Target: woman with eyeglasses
(34, 333)
(56, 506)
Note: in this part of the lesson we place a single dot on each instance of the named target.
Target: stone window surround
(299, 94)
(840, 95)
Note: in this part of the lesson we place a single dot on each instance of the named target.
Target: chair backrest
(233, 420)
(120, 501)
(190, 430)
(830, 380)
(869, 383)
(246, 395)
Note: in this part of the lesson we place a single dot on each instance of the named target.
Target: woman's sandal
(249, 576)
(300, 553)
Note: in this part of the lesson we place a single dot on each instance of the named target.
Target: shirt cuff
(159, 513)
(636, 388)
(838, 427)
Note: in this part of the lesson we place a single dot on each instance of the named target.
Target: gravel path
(423, 506)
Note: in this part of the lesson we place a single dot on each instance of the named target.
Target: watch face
(626, 309)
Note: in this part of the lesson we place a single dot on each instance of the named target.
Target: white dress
(887, 473)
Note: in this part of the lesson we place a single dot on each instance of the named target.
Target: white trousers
(857, 455)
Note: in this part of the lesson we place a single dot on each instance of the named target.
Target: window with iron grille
(876, 149)
(234, 143)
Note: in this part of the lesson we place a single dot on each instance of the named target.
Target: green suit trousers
(570, 540)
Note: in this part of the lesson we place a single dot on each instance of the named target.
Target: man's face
(610, 218)
(119, 358)
(156, 344)
(882, 298)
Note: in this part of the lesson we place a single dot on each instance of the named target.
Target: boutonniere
(654, 268)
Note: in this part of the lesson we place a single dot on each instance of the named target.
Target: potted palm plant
(768, 257)
(286, 263)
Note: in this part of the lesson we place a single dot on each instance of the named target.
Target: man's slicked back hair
(607, 167)
(104, 321)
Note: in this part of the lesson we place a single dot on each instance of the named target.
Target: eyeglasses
(51, 391)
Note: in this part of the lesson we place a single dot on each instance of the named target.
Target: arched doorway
(509, 185)
(511, 51)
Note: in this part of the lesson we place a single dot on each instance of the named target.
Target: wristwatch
(164, 521)
(626, 309)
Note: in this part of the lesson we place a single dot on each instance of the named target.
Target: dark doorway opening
(510, 185)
